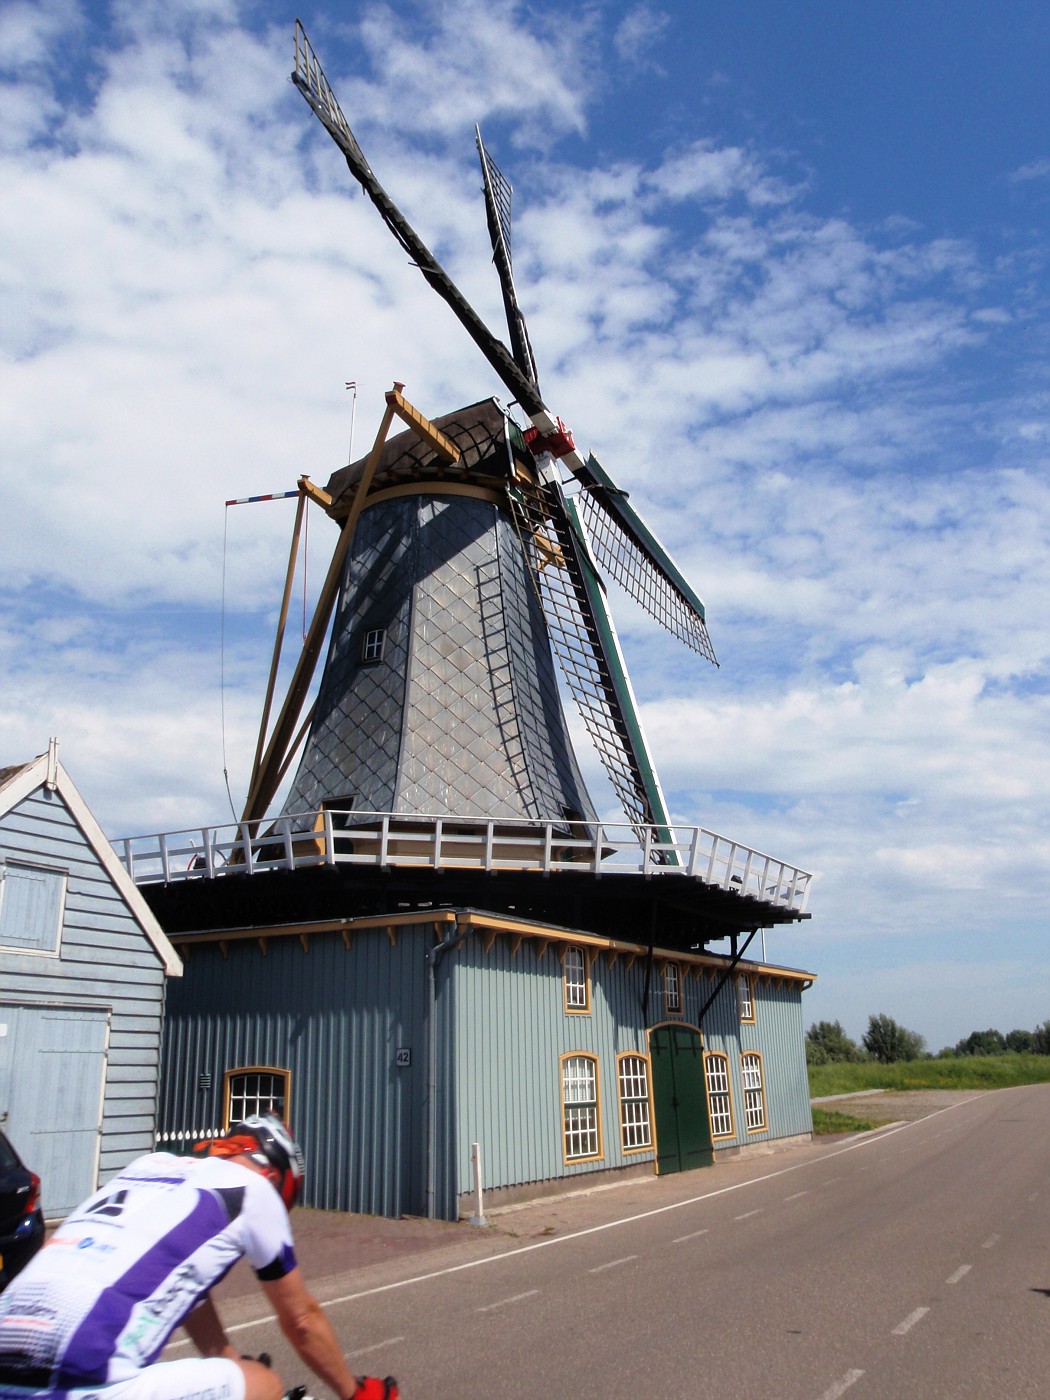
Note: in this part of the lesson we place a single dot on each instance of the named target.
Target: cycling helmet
(275, 1148)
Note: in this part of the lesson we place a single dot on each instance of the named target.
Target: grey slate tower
(439, 695)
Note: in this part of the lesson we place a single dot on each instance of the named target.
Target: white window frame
(719, 1094)
(373, 646)
(672, 989)
(745, 992)
(753, 1080)
(577, 982)
(636, 1118)
(239, 1105)
(11, 868)
(580, 1108)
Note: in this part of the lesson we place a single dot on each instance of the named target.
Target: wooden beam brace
(267, 779)
(314, 492)
(422, 427)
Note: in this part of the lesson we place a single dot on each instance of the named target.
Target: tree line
(887, 1042)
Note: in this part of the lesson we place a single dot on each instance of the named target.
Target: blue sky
(784, 267)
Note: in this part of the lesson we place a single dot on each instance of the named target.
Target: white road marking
(840, 1387)
(796, 1197)
(376, 1346)
(910, 1321)
(506, 1302)
(612, 1264)
(960, 1272)
(694, 1236)
(991, 1241)
(872, 1139)
(748, 1214)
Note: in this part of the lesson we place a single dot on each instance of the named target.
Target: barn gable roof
(22, 780)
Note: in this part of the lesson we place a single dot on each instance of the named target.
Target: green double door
(683, 1126)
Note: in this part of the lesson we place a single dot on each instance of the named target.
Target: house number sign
(403, 1057)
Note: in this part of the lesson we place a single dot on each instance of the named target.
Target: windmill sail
(498, 195)
(625, 546)
(552, 530)
(309, 78)
(585, 643)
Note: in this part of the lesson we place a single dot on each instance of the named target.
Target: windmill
(469, 548)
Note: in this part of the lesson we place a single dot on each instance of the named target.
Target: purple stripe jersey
(101, 1299)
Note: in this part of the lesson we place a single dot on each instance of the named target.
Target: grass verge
(829, 1120)
(966, 1072)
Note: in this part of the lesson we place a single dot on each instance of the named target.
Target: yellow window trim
(637, 1055)
(581, 1055)
(276, 1070)
(718, 1055)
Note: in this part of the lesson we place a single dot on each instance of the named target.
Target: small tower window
(372, 649)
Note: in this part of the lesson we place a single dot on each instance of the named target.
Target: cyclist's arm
(206, 1331)
(304, 1323)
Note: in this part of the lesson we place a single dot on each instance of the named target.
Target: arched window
(636, 1133)
(256, 1089)
(719, 1098)
(673, 989)
(579, 1101)
(577, 987)
(745, 991)
(754, 1092)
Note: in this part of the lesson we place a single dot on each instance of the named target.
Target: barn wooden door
(683, 1128)
(52, 1071)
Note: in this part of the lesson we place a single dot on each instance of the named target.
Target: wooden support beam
(282, 621)
(304, 939)
(267, 779)
(422, 427)
(391, 933)
(264, 945)
(315, 493)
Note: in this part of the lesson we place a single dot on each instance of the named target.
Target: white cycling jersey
(99, 1301)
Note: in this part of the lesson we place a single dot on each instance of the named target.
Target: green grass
(829, 1120)
(966, 1072)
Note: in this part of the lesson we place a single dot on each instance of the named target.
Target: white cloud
(799, 406)
(639, 31)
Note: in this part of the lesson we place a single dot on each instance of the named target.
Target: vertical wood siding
(335, 1018)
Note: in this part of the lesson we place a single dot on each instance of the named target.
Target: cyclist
(90, 1314)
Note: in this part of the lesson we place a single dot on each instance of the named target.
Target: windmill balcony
(386, 840)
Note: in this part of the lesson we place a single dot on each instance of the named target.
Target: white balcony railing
(446, 843)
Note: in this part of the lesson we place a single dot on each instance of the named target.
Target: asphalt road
(910, 1262)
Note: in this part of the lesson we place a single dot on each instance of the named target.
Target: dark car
(21, 1219)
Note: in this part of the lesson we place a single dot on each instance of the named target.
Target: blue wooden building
(83, 969)
(396, 1021)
